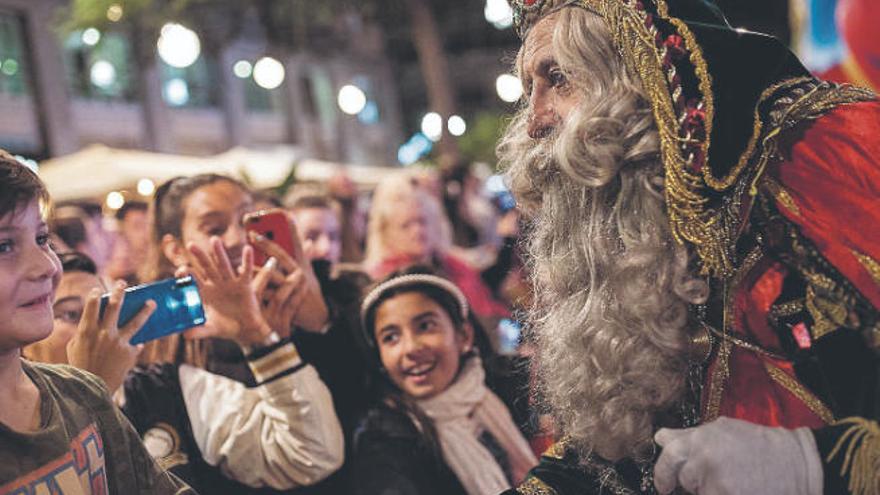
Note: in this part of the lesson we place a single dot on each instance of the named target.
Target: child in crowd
(178, 431)
(197, 229)
(435, 427)
(59, 430)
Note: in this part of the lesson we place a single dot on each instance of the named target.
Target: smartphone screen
(178, 307)
(274, 225)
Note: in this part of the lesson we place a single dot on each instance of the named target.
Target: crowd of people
(290, 386)
(696, 270)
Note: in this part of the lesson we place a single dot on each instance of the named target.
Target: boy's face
(29, 272)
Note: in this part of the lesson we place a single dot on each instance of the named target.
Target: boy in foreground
(59, 430)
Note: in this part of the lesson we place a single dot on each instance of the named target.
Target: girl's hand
(231, 296)
(301, 303)
(99, 346)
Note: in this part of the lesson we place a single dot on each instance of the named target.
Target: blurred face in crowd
(28, 275)
(70, 298)
(419, 346)
(406, 231)
(100, 241)
(319, 233)
(212, 210)
(135, 228)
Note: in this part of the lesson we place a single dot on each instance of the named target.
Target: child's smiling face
(419, 345)
(29, 272)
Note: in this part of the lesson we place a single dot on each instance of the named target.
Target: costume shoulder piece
(561, 472)
(711, 88)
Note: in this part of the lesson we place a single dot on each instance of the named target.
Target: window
(262, 100)
(99, 65)
(13, 63)
(194, 86)
(20, 126)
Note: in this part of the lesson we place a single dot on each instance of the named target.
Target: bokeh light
(509, 87)
(178, 45)
(146, 187)
(456, 125)
(432, 126)
(268, 73)
(115, 200)
(351, 99)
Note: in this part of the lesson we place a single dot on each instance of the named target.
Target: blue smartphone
(510, 332)
(178, 307)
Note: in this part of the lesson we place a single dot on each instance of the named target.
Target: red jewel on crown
(529, 3)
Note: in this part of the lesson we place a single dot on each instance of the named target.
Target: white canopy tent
(97, 170)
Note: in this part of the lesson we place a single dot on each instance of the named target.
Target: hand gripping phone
(178, 307)
(274, 225)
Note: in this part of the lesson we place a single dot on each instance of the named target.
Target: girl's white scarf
(460, 414)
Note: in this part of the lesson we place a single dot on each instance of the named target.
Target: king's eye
(556, 77)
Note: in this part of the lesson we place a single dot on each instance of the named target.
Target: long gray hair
(610, 315)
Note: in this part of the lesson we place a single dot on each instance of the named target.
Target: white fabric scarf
(460, 414)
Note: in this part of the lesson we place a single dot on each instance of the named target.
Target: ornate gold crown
(527, 12)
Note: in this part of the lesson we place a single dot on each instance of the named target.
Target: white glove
(730, 456)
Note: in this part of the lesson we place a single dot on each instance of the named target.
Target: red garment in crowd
(829, 187)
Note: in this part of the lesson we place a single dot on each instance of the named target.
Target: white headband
(405, 280)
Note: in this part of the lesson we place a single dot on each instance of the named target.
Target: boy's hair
(19, 185)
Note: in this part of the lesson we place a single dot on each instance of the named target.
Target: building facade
(61, 90)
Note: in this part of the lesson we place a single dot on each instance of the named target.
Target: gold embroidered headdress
(712, 89)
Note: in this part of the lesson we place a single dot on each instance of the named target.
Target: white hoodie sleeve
(283, 433)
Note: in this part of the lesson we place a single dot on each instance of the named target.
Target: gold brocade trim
(557, 450)
(870, 264)
(782, 196)
(721, 371)
(799, 391)
(786, 309)
(534, 486)
(862, 458)
(855, 74)
(705, 85)
(687, 206)
(827, 304)
(716, 384)
(744, 344)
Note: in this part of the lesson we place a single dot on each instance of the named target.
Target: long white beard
(612, 290)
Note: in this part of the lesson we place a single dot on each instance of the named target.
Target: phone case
(178, 307)
(274, 225)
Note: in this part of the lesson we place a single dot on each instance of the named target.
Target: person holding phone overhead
(59, 429)
(218, 424)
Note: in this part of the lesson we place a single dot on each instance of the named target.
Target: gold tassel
(862, 459)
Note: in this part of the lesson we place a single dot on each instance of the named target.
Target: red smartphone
(273, 224)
